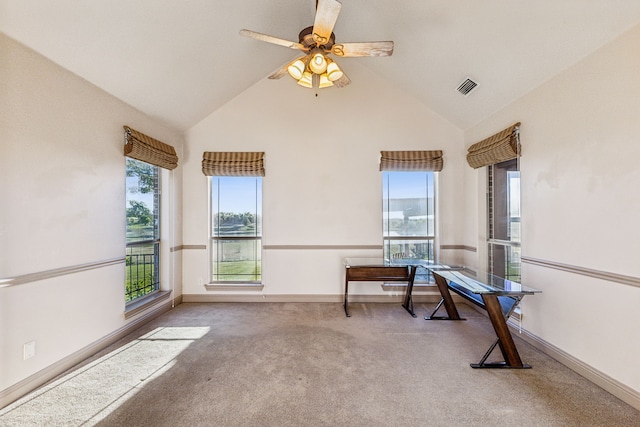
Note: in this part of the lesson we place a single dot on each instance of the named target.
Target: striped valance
(142, 147)
(502, 146)
(233, 163)
(428, 161)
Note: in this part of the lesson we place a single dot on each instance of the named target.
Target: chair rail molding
(598, 274)
(56, 272)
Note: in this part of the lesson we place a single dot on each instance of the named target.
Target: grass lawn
(237, 271)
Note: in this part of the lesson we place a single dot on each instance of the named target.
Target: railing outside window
(237, 259)
(411, 250)
(142, 269)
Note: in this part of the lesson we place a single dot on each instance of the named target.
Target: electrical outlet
(29, 350)
(200, 281)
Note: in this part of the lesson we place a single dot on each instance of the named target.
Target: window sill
(234, 286)
(141, 304)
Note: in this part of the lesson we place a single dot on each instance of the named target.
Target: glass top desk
(381, 270)
(498, 296)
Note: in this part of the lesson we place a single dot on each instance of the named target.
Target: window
(236, 229)
(143, 229)
(409, 218)
(504, 219)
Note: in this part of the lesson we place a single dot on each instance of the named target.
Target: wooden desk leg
(449, 305)
(505, 340)
(346, 292)
(408, 297)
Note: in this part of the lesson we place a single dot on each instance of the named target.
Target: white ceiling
(180, 60)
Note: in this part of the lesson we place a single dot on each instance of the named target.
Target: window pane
(408, 204)
(142, 269)
(236, 229)
(505, 261)
(236, 260)
(408, 219)
(236, 206)
(513, 210)
(143, 229)
(505, 199)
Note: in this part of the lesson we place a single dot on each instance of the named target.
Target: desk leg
(346, 293)
(408, 298)
(505, 340)
(449, 305)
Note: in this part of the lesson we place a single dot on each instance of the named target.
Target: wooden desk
(371, 270)
(498, 296)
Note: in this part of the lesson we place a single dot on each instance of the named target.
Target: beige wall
(62, 181)
(62, 194)
(322, 184)
(580, 206)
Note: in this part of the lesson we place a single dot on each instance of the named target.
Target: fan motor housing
(306, 39)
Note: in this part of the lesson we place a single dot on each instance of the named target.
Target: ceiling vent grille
(467, 86)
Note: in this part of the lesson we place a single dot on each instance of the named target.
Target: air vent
(467, 86)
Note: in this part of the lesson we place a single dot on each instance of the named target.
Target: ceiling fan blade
(342, 81)
(284, 70)
(280, 72)
(327, 13)
(271, 39)
(363, 49)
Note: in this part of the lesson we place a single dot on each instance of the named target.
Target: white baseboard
(619, 390)
(41, 377)
(305, 298)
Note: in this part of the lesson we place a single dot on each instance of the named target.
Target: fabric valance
(426, 161)
(233, 163)
(142, 147)
(502, 146)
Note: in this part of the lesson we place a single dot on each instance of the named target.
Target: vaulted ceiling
(180, 60)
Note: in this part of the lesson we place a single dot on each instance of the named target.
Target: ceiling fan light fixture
(324, 81)
(318, 63)
(306, 80)
(296, 69)
(333, 72)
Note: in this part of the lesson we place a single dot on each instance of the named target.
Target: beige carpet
(295, 364)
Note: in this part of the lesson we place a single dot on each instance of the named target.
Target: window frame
(131, 299)
(503, 243)
(257, 238)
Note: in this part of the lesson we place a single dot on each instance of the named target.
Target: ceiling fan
(315, 69)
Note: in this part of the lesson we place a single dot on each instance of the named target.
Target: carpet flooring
(306, 364)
